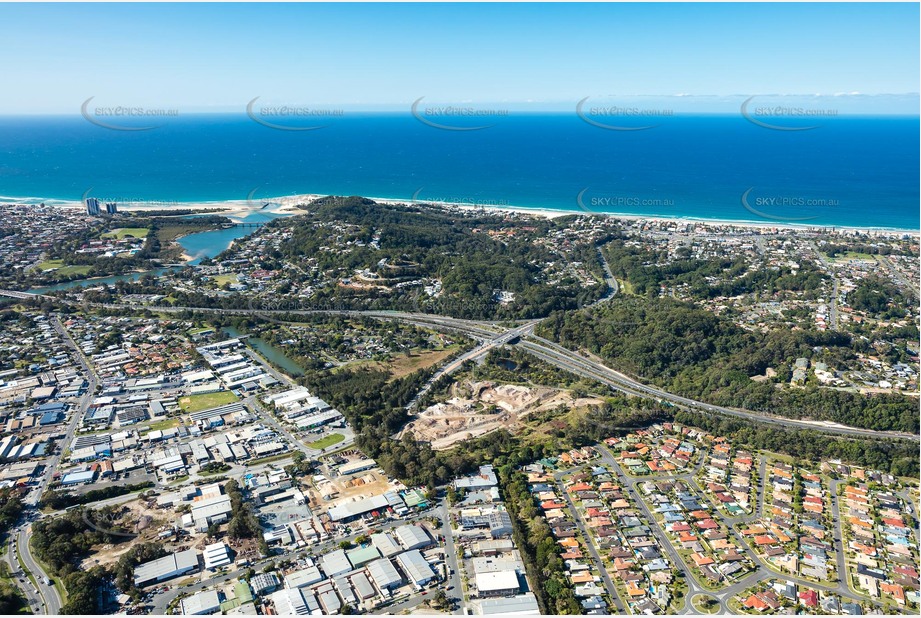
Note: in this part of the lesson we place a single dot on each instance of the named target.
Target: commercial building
(335, 563)
(416, 567)
(264, 583)
(79, 478)
(294, 602)
(362, 586)
(520, 605)
(211, 511)
(354, 467)
(361, 556)
(413, 537)
(486, 478)
(352, 510)
(216, 555)
(385, 544)
(384, 575)
(201, 603)
(166, 568)
(304, 577)
(497, 584)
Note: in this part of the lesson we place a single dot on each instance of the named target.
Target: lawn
(705, 604)
(220, 280)
(327, 441)
(124, 232)
(59, 267)
(853, 255)
(194, 403)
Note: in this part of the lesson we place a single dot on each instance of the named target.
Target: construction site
(474, 409)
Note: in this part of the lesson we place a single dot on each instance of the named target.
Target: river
(199, 245)
(272, 354)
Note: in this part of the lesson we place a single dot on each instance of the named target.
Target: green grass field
(194, 403)
(123, 232)
(220, 280)
(327, 441)
(853, 255)
(59, 267)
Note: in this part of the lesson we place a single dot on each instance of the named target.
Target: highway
(478, 352)
(554, 354)
(568, 360)
(33, 598)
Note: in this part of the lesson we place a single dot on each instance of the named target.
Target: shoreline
(281, 206)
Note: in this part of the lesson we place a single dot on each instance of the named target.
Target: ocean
(848, 171)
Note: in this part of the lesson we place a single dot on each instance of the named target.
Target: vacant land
(124, 232)
(327, 441)
(167, 423)
(401, 365)
(194, 403)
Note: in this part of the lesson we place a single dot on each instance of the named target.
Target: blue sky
(219, 56)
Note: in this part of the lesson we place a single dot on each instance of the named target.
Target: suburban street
(763, 571)
(162, 601)
(47, 595)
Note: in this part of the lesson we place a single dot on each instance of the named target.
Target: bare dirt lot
(135, 517)
(477, 408)
(141, 518)
(347, 489)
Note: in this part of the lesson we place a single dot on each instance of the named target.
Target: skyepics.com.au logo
(616, 115)
(469, 201)
(278, 309)
(779, 114)
(786, 207)
(124, 117)
(292, 117)
(127, 201)
(463, 117)
(116, 522)
(619, 203)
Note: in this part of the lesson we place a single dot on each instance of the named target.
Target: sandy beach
(238, 210)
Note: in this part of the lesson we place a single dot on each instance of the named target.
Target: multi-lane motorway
(521, 335)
